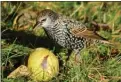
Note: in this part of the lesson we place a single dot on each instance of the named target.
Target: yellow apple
(43, 65)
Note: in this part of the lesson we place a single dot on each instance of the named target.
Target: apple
(43, 65)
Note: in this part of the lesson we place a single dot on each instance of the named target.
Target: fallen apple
(43, 65)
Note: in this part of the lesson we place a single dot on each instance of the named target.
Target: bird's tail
(112, 43)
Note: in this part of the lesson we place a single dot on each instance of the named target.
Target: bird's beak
(36, 25)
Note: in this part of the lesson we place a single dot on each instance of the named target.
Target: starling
(67, 32)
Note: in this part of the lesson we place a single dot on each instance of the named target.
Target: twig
(98, 26)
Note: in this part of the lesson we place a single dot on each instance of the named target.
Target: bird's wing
(84, 32)
(80, 30)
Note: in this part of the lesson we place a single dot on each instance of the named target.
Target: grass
(100, 63)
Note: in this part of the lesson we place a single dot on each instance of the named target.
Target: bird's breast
(57, 35)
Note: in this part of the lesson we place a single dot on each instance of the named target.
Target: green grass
(98, 64)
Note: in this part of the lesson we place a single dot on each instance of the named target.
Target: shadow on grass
(27, 39)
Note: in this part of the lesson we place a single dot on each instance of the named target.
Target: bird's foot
(77, 59)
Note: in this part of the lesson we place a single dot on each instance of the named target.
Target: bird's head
(46, 18)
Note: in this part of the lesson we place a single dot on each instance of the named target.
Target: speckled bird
(67, 32)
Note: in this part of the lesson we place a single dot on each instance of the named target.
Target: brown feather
(84, 32)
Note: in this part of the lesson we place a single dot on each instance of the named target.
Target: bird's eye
(43, 20)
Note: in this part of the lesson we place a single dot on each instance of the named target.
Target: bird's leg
(67, 59)
(68, 54)
(77, 55)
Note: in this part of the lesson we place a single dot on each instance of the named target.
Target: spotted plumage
(67, 32)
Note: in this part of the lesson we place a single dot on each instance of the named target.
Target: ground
(100, 63)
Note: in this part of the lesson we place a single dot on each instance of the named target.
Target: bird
(67, 32)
